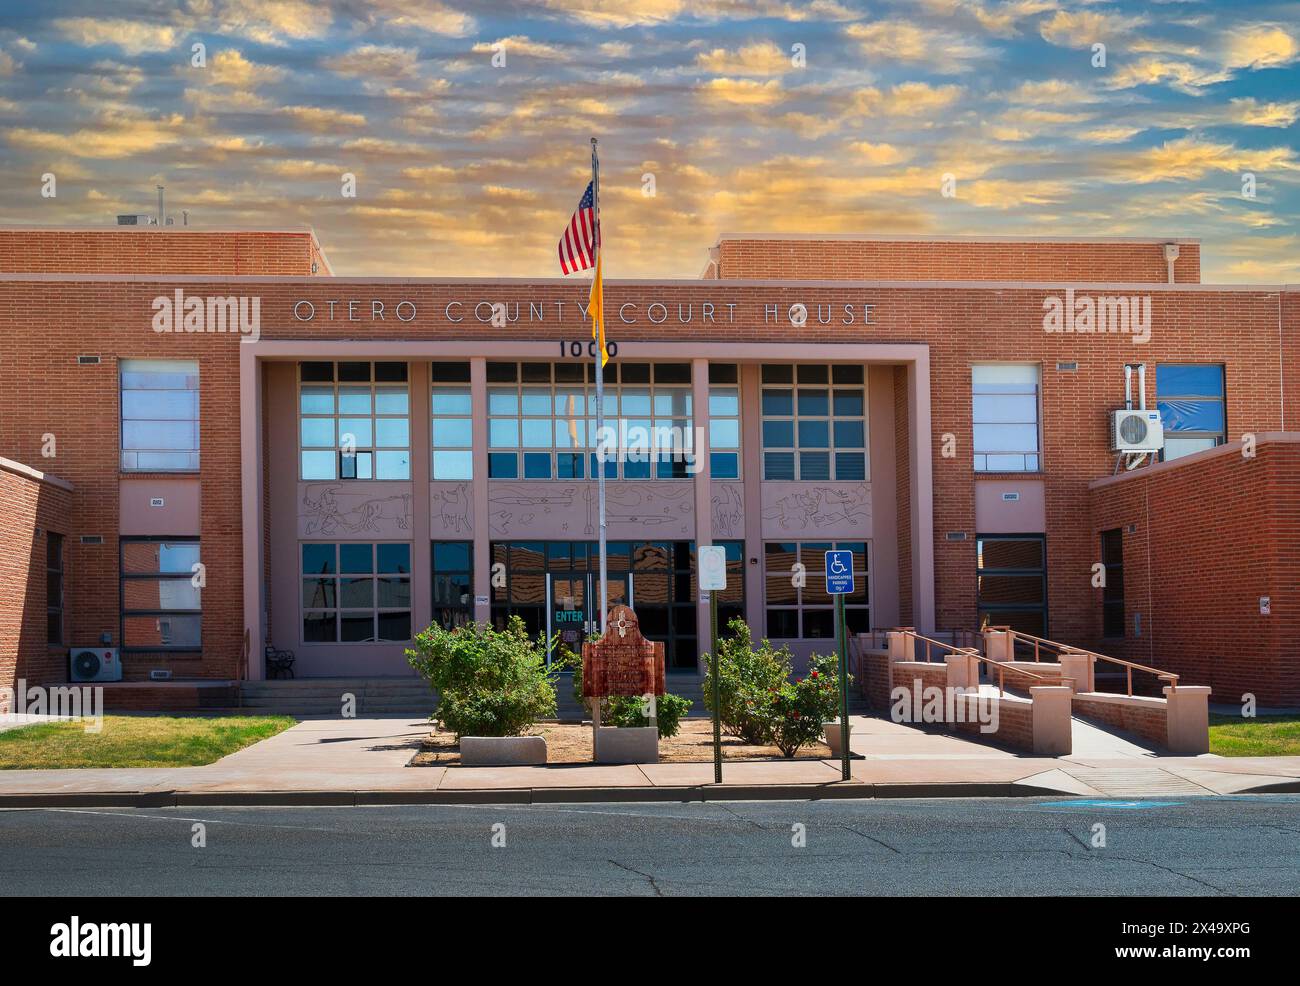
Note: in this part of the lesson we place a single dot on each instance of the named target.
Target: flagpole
(600, 409)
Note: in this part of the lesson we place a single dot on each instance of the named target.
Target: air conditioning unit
(96, 664)
(1136, 431)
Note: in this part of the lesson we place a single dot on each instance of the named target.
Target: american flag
(577, 246)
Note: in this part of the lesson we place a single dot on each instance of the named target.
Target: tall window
(1112, 596)
(1191, 402)
(1012, 582)
(542, 420)
(731, 600)
(356, 593)
(161, 605)
(1005, 417)
(798, 605)
(814, 422)
(54, 588)
(354, 420)
(453, 583)
(160, 415)
(724, 421)
(452, 427)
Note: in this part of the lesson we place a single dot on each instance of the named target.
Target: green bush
(747, 679)
(626, 711)
(799, 708)
(757, 700)
(489, 682)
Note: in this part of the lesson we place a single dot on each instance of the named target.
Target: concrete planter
(832, 732)
(635, 744)
(502, 751)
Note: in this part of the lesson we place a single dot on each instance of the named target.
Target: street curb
(703, 793)
(522, 796)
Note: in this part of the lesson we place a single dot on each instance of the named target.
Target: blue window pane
(503, 402)
(724, 465)
(778, 465)
(452, 433)
(503, 433)
(160, 435)
(611, 467)
(451, 402)
(317, 400)
(356, 558)
(1173, 380)
(392, 400)
(394, 557)
(848, 403)
(454, 465)
(392, 465)
(354, 400)
(990, 408)
(318, 465)
(318, 559)
(778, 402)
(1006, 438)
(451, 556)
(814, 434)
(814, 465)
(171, 405)
(724, 433)
(1192, 415)
(537, 402)
(392, 432)
(850, 465)
(318, 432)
(778, 434)
(568, 465)
(537, 434)
(637, 467)
(503, 465)
(537, 465)
(849, 434)
(724, 402)
(177, 558)
(358, 428)
(813, 402)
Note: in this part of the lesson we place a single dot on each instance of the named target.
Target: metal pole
(717, 711)
(844, 686)
(600, 410)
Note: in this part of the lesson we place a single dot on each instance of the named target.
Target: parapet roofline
(945, 238)
(171, 230)
(1138, 287)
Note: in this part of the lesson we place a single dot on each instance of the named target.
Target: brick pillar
(997, 645)
(1187, 721)
(900, 646)
(1078, 666)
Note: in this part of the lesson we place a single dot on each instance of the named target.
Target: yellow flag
(596, 308)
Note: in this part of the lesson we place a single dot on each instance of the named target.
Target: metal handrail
(1129, 666)
(972, 654)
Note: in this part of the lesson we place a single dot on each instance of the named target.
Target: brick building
(246, 443)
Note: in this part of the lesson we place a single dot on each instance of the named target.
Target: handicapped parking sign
(839, 572)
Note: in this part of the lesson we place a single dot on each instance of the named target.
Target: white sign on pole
(713, 567)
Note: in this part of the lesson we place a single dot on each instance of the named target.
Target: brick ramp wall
(1015, 714)
(1143, 716)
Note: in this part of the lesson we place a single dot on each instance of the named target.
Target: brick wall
(151, 250)
(1210, 535)
(1015, 719)
(758, 258)
(1147, 717)
(30, 504)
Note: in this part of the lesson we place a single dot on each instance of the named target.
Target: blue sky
(466, 167)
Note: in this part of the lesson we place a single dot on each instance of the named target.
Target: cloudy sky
(772, 115)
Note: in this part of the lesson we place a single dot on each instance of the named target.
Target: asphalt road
(1248, 845)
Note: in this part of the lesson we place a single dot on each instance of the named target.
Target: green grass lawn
(134, 741)
(1264, 736)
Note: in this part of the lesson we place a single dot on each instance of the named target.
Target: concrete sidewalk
(363, 761)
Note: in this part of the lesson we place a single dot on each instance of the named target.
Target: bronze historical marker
(622, 662)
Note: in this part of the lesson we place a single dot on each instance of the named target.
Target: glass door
(572, 610)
